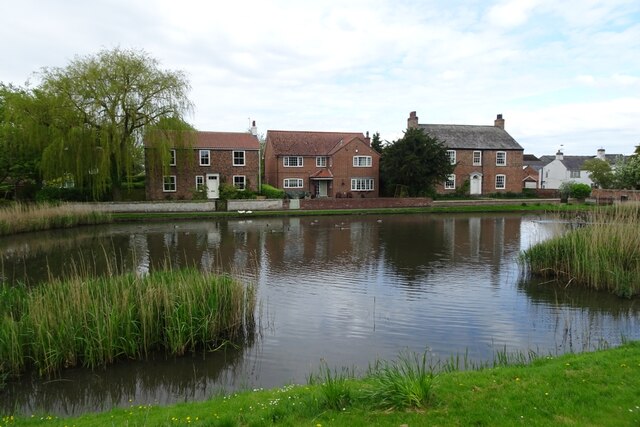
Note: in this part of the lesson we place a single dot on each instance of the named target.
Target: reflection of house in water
(485, 239)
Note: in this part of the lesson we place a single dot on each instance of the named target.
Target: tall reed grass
(602, 255)
(94, 321)
(20, 218)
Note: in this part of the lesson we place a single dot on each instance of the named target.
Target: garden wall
(602, 195)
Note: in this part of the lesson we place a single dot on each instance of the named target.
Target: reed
(602, 255)
(94, 321)
(20, 218)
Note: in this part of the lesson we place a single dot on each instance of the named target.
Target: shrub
(579, 191)
(271, 192)
(230, 192)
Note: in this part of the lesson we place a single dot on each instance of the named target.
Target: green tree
(417, 161)
(376, 142)
(627, 173)
(103, 104)
(600, 172)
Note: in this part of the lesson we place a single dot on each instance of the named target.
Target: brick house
(486, 157)
(322, 164)
(199, 162)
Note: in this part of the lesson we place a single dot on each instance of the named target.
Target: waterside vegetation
(19, 218)
(598, 388)
(603, 254)
(92, 322)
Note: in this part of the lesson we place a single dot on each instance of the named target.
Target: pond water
(345, 290)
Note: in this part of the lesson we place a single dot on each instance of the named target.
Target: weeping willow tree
(104, 103)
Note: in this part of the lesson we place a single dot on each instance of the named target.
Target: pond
(345, 290)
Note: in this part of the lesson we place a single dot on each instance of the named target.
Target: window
(169, 183)
(292, 161)
(321, 162)
(501, 158)
(205, 159)
(200, 183)
(450, 183)
(477, 158)
(362, 161)
(238, 158)
(452, 156)
(240, 182)
(574, 174)
(172, 157)
(362, 184)
(501, 182)
(293, 183)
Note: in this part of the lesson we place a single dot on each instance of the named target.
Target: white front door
(213, 185)
(322, 188)
(476, 184)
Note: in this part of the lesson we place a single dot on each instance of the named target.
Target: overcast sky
(563, 73)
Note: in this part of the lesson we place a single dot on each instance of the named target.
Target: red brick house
(199, 162)
(321, 164)
(485, 156)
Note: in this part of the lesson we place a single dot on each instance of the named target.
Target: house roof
(220, 141)
(472, 137)
(308, 143)
(575, 162)
(322, 174)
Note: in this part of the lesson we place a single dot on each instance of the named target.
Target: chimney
(559, 155)
(499, 122)
(412, 121)
(600, 154)
(367, 140)
(254, 129)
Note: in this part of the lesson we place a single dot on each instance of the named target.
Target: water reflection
(344, 289)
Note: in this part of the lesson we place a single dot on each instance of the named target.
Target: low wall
(254, 205)
(156, 206)
(602, 195)
(364, 203)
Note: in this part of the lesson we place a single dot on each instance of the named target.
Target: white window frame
(504, 182)
(452, 156)
(207, 154)
(362, 161)
(287, 183)
(172, 182)
(243, 185)
(172, 157)
(200, 183)
(362, 184)
(450, 183)
(500, 162)
(286, 162)
(233, 157)
(574, 173)
(477, 162)
(321, 161)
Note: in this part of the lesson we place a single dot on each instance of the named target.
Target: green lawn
(589, 389)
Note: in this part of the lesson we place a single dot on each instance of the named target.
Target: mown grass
(92, 322)
(604, 254)
(20, 218)
(599, 388)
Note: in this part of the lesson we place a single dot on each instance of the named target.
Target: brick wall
(616, 195)
(364, 203)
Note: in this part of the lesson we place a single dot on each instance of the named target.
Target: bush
(54, 194)
(230, 192)
(271, 192)
(579, 191)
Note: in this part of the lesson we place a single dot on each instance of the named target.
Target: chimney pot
(499, 122)
(412, 121)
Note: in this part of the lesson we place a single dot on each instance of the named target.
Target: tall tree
(376, 142)
(103, 104)
(627, 173)
(600, 172)
(416, 161)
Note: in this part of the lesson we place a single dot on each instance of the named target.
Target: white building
(559, 169)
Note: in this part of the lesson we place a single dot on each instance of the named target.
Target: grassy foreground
(20, 218)
(94, 321)
(602, 255)
(588, 389)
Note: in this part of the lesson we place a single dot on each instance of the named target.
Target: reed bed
(92, 322)
(20, 218)
(604, 254)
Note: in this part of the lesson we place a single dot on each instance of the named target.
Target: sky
(564, 74)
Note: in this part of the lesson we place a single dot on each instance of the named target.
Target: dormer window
(321, 161)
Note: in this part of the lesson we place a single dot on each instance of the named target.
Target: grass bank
(599, 388)
(20, 218)
(94, 321)
(604, 254)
